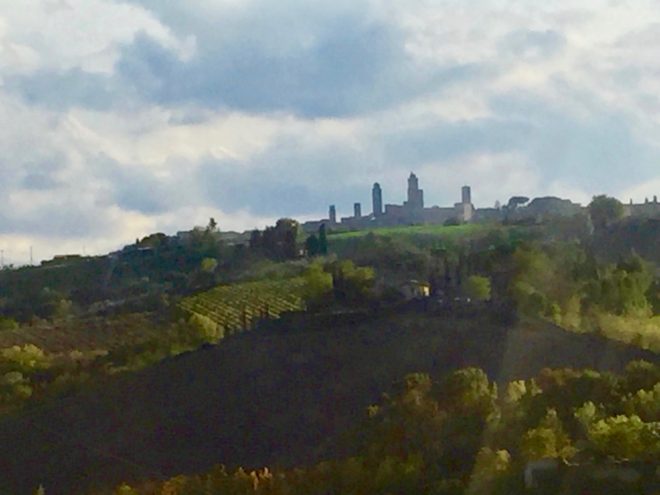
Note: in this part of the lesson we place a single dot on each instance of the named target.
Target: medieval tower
(415, 194)
(377, 200)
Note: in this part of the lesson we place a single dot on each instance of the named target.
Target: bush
(8, 324)
(478, 288)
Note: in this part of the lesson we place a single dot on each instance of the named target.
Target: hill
(279, 396)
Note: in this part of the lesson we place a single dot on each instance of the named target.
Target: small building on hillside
(414, 289)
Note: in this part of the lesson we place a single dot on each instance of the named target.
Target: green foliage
(278, 242)
(8, 324)
(622, 289)
(350, 282)
(605, 211)
(323, 241)
(317, 286)
(312, 246)
(204, 328)
(626, 437)
(562, 284)
(547, 440)
(63, 309)
(209, 265)
(641, 375)
(27, 358)
(490, 468)
(478, 288)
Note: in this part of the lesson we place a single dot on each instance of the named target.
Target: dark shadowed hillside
(639, 235)
(279, 396)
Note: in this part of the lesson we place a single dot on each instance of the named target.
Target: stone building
(648, 209)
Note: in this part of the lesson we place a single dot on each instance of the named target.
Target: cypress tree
(323, 240)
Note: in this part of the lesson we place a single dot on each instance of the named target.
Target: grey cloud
(282, 181)
(41, 175)
(259, 57)
(39, 181)
(593, 151)
(352, 67)
(444, 141)
(60, 218)
(134, 188)
(63, 89)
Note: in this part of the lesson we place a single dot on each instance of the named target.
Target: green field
(237, 306)
(450, 232)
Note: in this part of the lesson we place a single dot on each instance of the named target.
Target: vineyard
(239, 306)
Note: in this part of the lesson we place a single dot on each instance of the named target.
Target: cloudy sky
(121, 118)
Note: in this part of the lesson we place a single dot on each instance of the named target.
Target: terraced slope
(239, 306)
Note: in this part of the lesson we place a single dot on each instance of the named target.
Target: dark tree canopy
(323, 240)
(604, 211)
(312, 245)
(516, 201)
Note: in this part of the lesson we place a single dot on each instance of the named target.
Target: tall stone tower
(332, 214)
(466, 195)
(357, 210)
(377, 200)
(415, 194)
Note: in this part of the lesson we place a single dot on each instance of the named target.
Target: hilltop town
(414, 212)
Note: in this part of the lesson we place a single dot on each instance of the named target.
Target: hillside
(639, 235)
(281, 395)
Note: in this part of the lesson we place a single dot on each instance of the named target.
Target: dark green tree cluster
(278, 242)
(317, 246)
(604, 211)
(351, 283)
(339, 282)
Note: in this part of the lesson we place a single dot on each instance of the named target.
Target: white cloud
(66, 34)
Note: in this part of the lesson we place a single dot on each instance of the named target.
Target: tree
(312, 245)
(279, 242)
(8, 324)
(626, 437)
(351, 283)
(604, 211)
(317, 286)
(323, 240)
(516, 201)
(547, 440)
(490, 467)
(255, 239)
(478, 288)
(209, 265)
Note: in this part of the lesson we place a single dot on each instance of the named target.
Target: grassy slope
(265, 397)
(449, 232)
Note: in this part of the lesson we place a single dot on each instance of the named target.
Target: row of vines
(238, 307)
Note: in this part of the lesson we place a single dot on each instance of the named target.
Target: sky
(123, 118)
